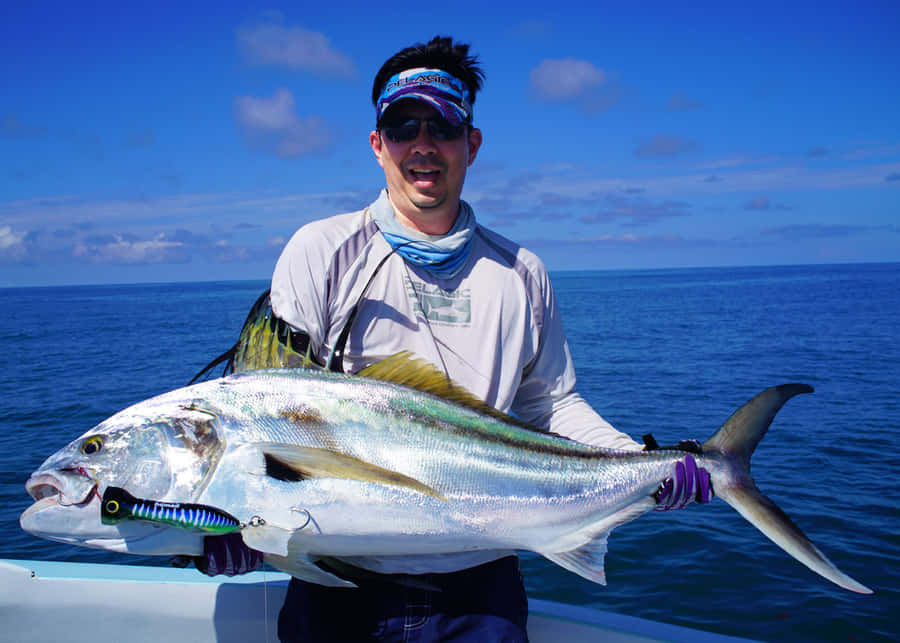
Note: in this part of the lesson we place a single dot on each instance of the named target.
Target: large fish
(395, 460)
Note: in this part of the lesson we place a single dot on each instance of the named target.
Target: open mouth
(67, 510)
(424, 175)
(49, 489)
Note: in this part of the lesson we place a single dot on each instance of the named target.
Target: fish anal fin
(586, 561)
(292, 463)
(304, 567)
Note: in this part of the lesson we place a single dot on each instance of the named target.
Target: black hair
(439, 53)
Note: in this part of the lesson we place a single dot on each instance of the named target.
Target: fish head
(163, 450)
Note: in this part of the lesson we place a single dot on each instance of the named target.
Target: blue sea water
(673, 352)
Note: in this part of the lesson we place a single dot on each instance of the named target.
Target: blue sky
(188, 141)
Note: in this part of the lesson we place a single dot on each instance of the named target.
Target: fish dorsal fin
(291, 463)
(404, 369)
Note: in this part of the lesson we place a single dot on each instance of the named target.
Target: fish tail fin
(736, 440)
(742, 432)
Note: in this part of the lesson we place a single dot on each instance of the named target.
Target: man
(414, 271)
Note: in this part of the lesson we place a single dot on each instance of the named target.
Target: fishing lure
(119, 505)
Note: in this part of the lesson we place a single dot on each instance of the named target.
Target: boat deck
(83, 602)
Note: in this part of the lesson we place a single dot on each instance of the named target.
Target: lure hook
(304, 511)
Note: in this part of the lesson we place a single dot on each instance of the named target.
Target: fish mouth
(69, 489)
(66, 507)
(67, 510)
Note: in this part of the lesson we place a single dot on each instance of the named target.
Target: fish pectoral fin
(291, 463)
(303, 567)
(586, 561)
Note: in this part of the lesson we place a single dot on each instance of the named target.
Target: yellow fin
(404, 369)
(292, 463)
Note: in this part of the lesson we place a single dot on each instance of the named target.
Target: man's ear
(474, 141)
(375, 142)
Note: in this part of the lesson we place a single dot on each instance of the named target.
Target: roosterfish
(310, 465)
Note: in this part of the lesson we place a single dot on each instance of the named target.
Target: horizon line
(550, 271)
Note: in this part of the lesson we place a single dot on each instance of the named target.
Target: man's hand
(227, 555)
(689, 483)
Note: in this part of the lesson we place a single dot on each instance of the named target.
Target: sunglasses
(406, 130)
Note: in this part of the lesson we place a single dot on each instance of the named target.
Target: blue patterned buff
(443, 91)
(443, 256)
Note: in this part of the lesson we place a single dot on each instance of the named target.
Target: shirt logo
(453, 308)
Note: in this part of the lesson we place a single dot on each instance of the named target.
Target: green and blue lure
(119, 505)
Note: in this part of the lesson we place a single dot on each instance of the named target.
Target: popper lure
(119, 505)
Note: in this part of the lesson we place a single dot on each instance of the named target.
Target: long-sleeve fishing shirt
(494, 328)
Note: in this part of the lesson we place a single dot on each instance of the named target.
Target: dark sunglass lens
(445, 131)
(403, 131)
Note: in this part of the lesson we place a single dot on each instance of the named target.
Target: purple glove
(227, 555)
(689, 484)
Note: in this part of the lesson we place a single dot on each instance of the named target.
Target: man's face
(425, 175)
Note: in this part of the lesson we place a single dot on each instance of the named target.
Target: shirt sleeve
(547, 397)
(298, 293)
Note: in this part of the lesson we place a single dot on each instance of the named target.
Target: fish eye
(92, 445)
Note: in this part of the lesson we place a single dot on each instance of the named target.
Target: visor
(443, 91)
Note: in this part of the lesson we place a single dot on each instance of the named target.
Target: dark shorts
(484, 603)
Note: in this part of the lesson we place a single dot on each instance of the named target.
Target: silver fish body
(318, 465)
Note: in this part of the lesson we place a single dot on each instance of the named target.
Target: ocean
(672, 352)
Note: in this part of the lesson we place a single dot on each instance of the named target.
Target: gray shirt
(495, 329)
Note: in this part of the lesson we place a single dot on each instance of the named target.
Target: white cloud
(12, 244)
(119, 250)
(270, 43)
(565, 78)
(273, 124)
(8, 238)
(169, 229)
(267, 114)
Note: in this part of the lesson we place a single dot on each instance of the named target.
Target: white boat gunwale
(144, 603)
